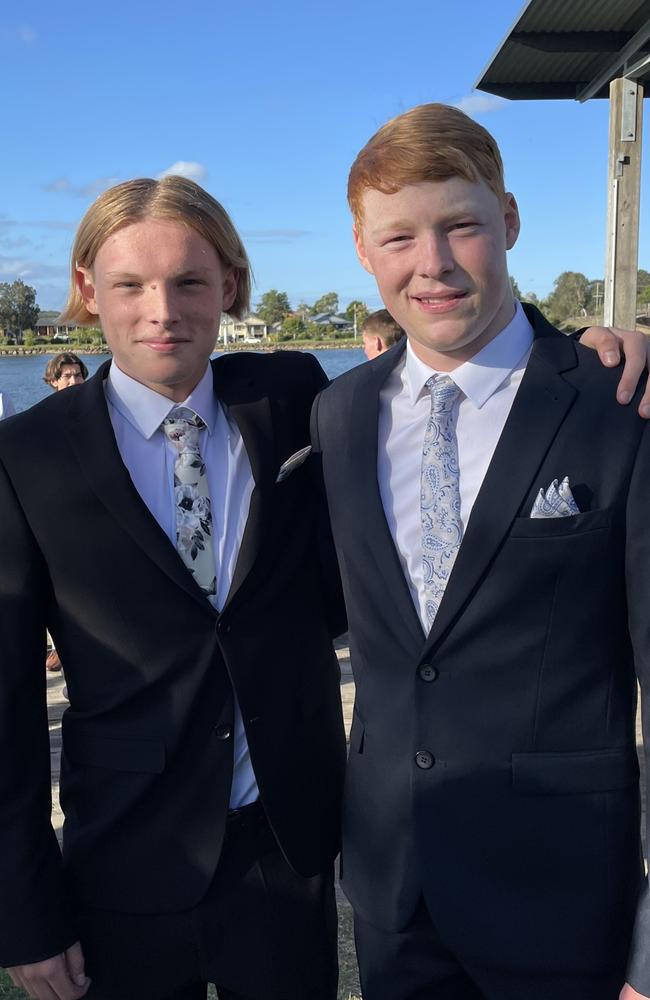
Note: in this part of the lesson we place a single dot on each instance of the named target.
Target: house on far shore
(47, 326)
(249, 330)
(340, 323)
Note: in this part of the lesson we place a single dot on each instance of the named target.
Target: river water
(22, 377)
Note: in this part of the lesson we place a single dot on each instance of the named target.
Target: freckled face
(159, 290)
(438, 253)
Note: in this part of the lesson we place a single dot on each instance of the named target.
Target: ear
(361, 252)
(511, 220)
(229, 289)
(86, 288)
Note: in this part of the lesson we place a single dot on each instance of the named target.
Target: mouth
(439, 302)
(166, 345)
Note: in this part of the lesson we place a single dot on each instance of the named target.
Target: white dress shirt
(7, 408)
(136, 413)
(488, 384)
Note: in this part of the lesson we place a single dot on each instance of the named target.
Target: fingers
(52, 978)
(636, 350)
(76, 968)
(606, 342)
(637, 359)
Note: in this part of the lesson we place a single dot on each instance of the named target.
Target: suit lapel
(363, 446)
(250, 409)
(541, 403)
(91, 438)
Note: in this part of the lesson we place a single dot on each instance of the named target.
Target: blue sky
(267, 104)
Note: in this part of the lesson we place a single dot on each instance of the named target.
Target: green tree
(328, 303)
(642, 279)
(570, 297)
(294, 327)
(18, 308)
(516, 291)
(273, 307)
(532, 298)
(361, 310)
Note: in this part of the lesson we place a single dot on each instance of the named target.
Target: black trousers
(260, 933)
(414, 964)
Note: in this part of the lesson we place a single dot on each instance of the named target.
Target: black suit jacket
(151, 666)
(524, 834)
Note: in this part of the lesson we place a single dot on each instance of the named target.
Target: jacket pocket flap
(117, 753)
(576, 773)
(553, 527)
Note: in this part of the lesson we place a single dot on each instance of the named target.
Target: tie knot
(182, 428)
(444, 392)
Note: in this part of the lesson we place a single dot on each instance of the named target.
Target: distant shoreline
(21, 351)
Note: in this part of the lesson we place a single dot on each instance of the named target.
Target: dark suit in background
(151, 668)
(520, 830)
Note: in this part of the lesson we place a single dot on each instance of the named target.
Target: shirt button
(223, 732)
(424, 759)
(427, 672)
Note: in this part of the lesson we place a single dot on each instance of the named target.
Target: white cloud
(20, 267)
(477, 104)
(186, 168)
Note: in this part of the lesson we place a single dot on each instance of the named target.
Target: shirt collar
(145, 409)
(480, 377)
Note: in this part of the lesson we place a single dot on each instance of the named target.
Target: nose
(435, 256)
(163, 309)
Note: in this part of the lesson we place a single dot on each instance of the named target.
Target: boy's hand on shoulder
(635, 347)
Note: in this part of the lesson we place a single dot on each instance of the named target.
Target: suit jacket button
(223, 627)
(223, 732)
(424, 759)
(427, 672)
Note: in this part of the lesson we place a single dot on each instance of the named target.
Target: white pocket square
(292, 463)
(556, 502)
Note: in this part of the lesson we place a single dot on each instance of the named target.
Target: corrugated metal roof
(556, 48)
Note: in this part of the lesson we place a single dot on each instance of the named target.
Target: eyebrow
(452, 213)
(183, 274)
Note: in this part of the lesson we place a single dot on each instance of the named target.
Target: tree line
(574, 296)
(276, 311)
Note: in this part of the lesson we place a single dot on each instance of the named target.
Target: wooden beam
(624, 187)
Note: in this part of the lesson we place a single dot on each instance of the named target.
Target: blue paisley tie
(192, 497)
(442, 529)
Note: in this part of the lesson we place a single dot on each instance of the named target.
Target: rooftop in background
(558, 50)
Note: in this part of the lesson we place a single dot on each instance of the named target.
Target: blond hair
(174, 199)
(431, 142)
(381, 324)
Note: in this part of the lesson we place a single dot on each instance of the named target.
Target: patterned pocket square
(556, 502)
(292, 463)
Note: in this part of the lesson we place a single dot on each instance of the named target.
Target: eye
(127, 284)
(463, 226)
(396, 240)
(188, 282)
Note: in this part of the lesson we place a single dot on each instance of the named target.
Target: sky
(266, 105)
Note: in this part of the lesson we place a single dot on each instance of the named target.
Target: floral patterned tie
(192, 498)
(442, 529)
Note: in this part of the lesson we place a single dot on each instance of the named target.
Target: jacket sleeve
(638, 596)
(33, 921)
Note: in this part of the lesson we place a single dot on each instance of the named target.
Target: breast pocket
(561, 527)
